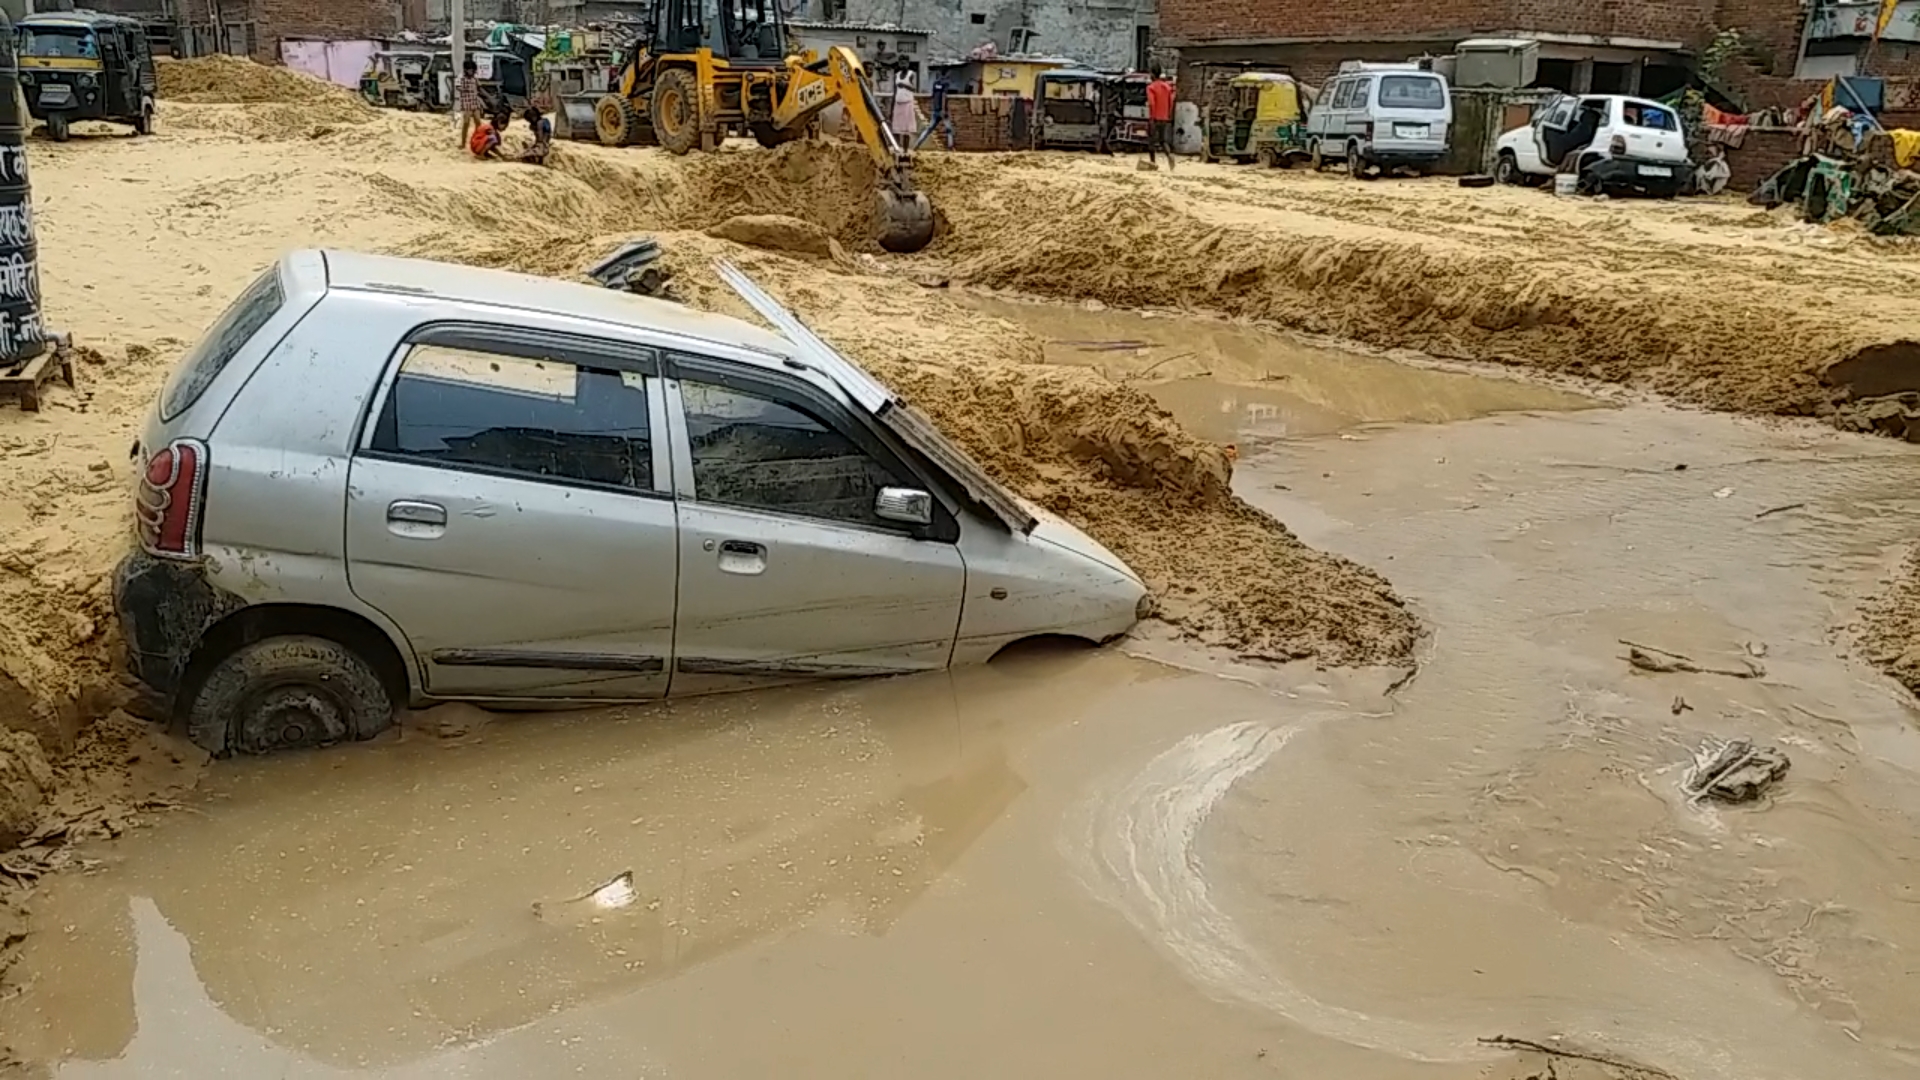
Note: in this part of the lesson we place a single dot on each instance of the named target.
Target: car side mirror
(909, 505)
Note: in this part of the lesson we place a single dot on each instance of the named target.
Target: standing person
(542, 137)
(467, 97)
(938, 117)
(905, 115)
(1160, 116)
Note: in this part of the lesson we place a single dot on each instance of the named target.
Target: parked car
(1381, 116)
(380, 482)
(1610, 142)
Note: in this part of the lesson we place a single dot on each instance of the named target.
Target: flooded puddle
(1229, 382)
(1089, 864)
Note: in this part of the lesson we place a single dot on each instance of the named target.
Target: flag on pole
(1886, 17)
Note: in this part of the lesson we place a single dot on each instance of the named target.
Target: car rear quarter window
(539, 418)
(1412, 92)
(750, 449)
(1649, 116)
(235, 327)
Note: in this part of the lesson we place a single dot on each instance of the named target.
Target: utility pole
(457, 15)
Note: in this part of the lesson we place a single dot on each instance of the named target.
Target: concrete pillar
(1583, 76)
(1634, 71)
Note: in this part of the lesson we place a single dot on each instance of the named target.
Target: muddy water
(1094, 865)
(1235, 383)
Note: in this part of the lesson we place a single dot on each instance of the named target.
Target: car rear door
(510, 509)
(786, 573)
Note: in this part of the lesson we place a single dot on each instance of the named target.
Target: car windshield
(58, 41)
(1412, 92)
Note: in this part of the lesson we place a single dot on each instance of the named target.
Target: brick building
(1621, 46)
(1111, 34)
(255, 27)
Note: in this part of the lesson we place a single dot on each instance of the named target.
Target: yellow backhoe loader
(707, 71)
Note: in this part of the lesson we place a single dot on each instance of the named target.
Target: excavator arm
(906, 217)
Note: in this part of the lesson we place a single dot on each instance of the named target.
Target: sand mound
(1129, 244)
(777, 232)
(1888, 632)
(235, 80)
(829, 183)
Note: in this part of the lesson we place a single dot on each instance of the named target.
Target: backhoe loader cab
(709, 69)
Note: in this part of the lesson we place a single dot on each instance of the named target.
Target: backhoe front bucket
(906, 221)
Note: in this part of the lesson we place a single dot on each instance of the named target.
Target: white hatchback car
(381, 481)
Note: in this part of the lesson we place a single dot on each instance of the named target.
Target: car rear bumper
(1404, 155)
(1639, 175)
(165, 609)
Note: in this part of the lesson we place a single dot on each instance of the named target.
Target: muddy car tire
(1315, 158)
(1506, 172)
(287, 693)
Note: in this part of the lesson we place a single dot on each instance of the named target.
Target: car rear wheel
(285, 693)
(1356, 168)
(1507, 169)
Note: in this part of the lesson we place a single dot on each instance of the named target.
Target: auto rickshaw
(397, 79)
(1130, 126)
(1071, 109)
(84, 65)
(1256, 116)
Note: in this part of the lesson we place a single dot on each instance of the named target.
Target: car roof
(505, 288)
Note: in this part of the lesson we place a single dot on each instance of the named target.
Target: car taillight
(1618, 147)
(1368, 130)
(168, 500)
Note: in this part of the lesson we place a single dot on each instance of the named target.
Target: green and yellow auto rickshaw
(1256, 116)
(83, 65)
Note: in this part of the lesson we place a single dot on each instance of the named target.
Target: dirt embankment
(1723, 329)
(254, 101)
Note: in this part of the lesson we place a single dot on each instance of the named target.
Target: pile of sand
(1888, 632)
(255, 101)
(1130, 243)
(236, 80)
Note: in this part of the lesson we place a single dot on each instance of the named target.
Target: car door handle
(416, 513)
(742, 557)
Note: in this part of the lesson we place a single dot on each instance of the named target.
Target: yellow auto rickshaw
(1256, 116)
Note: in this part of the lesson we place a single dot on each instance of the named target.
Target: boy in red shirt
(1160, 116)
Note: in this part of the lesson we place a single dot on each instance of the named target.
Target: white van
(1381, 116)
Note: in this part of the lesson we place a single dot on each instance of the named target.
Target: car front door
(1551, 136)
(510, 508)
(786, 571)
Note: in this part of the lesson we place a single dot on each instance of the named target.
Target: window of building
(978, 18)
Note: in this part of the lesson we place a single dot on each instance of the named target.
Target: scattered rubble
(1736, 771)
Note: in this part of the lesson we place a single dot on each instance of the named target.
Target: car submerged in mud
(383, 482)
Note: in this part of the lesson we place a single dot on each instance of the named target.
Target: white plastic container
(1566, 184)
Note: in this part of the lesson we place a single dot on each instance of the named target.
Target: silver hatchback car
(381, 482)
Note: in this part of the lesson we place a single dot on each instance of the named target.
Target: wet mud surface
(1101, 864)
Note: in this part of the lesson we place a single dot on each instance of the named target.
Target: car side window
(753, 449)
(1361, 89)
(1339, 96)
(543, 419)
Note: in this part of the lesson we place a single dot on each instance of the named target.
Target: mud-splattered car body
(380, 482)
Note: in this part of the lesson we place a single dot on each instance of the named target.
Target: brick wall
(1764, 153)
(276, 19)
(1384, 20)
(987, 129)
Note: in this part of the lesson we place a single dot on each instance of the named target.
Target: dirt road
(1287, 872)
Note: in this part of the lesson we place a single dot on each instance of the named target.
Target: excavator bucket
(905, 221)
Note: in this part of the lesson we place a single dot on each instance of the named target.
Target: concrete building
(1112, 34)
(884, 48)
